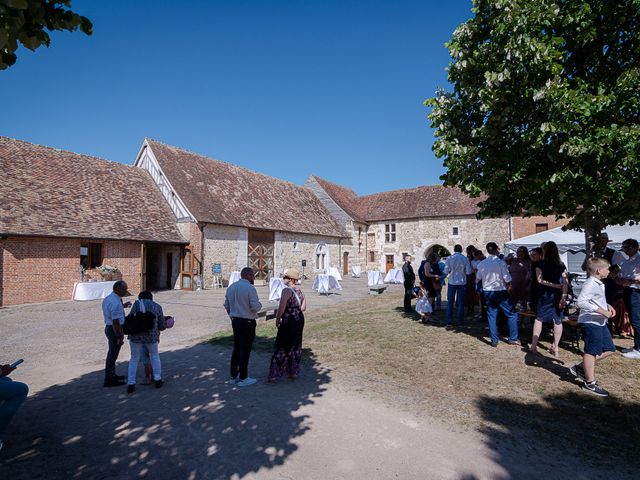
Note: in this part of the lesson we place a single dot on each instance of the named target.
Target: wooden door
(345, 263)
(186, 269)
(143, 267)
(389, 262)
(260, 253)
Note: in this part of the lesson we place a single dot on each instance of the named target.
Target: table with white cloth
(91, 290)
(323, 283)
(275, 288)
(334, 272)
(374, 277)
(394, 275)
(235, 276)
(356, 271)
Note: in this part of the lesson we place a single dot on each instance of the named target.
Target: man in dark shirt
(409, 282)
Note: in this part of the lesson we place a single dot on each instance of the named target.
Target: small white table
(235, 276)
(335, 273)
(394, 275)
(356, 271)
(275, 289)
(323, 283)
(91, 290)
(374, 277)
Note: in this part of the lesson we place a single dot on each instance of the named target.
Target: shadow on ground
(525, 439)
(195, 427)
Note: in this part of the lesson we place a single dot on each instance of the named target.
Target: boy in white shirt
(593, 318)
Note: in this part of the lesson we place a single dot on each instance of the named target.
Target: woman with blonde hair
(290, 322)
(553, 288)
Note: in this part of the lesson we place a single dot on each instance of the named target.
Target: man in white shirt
(113, 314)
(629, 277)
(457, 267)
(242, 304)
(494, 275)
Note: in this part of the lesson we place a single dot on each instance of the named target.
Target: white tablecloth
(275, 288)
(91, 290)
(374, 277)
(235, 276)
(323, 283)
(334, 272)
(394, 276)
(356, 271)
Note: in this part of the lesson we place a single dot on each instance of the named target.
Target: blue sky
(286, 88)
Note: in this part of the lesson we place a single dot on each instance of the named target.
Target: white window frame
(389, 233)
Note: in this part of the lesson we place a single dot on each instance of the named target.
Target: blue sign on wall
(216, 268)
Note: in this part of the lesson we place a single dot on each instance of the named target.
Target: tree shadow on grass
(572, 435)
(195, 427)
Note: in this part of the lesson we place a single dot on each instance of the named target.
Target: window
(455, 231)
(91, 255)
(542, 227)
(321, 256)
(390, 232)
(372, 256)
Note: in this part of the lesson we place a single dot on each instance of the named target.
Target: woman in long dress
(290, 322)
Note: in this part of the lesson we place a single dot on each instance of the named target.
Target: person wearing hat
(609, 254)
(287, 351)
(113, 314)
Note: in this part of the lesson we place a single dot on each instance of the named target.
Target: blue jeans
(632, 297)
(501, 300)
(12, 394)
(456, 292)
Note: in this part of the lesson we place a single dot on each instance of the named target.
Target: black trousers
(112, 354)
(408, 295)
(244, 331)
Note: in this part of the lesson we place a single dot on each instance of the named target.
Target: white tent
(573, 240)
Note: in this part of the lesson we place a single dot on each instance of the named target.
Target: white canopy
(573, 240)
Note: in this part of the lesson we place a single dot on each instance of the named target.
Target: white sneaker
(635, 354)
(246, 382)
(232, 381)
(627, 350)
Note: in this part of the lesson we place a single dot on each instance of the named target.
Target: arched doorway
(439, 250)
(322, 256)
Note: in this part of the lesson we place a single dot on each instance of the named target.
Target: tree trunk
(593, 226)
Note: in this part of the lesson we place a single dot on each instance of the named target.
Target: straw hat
(292, 273)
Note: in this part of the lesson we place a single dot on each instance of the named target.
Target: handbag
(437, 286)
(139, 322)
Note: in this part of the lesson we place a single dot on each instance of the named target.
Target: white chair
(216, 282)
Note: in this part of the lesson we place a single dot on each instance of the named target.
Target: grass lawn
(457, 377)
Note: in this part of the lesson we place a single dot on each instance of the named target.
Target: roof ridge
(233, 165)
(419, 187)
(62, 150)
(316, 177)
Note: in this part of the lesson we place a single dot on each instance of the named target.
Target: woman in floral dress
(290, 322)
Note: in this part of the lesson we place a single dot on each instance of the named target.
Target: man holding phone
(113, 313)
(12, 394)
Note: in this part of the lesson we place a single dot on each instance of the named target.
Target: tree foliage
(25, 21)
(544, 113)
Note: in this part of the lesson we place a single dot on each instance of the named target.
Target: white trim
(146, 160)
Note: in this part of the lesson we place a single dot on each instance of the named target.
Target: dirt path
(323, 426)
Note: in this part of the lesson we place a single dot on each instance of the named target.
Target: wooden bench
(377, 289)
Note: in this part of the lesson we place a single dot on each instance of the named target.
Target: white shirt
(493, 273)
(241, 300)
(457, 266)
(630, 269)
(590, 299)
(112, 309)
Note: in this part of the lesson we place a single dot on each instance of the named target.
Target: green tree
(25, 21)
(543, 117)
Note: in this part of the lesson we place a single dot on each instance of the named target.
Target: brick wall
(44, 269)
(522, 227)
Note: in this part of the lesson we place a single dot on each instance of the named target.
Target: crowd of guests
(536, 283)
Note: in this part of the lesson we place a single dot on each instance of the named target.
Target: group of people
(537, 282)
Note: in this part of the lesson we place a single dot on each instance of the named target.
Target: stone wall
(36, 269)
(292, 248)
(226, 245)
(416, 237)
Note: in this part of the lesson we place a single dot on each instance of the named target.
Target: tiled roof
(346, 198)
(222, 193)
(421, 202)
(50, 192)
